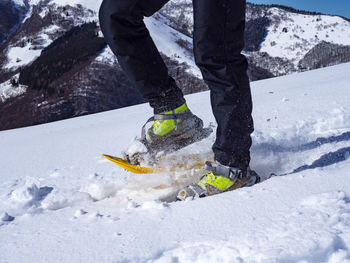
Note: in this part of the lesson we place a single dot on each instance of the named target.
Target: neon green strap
(220, 182)
(158, 117)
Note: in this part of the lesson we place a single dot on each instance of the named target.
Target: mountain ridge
(280, 40)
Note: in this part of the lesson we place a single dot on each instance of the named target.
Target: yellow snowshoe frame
(138, 169)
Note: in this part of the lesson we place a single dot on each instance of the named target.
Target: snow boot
(219, 179)
(171, 131)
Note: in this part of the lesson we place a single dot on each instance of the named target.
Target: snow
(107, 56)
(89, 4)
(7, 90)
(21, 56)
(166, 38)
(303, 33)
(34, 2)
(163, 35)
(60, 201)
(19, 2)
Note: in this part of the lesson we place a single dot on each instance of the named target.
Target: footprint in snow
(5, 219)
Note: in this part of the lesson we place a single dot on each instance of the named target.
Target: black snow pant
(218, 42)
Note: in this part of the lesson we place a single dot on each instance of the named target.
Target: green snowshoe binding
(219, 179)
(171, 131)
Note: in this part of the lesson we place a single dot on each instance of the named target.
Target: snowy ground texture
(60, 201)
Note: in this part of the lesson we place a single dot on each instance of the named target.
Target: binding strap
(225, 171)
(161, 117)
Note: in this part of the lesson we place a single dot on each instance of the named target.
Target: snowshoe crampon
(206, 186)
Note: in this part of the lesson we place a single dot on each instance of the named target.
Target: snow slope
(295, 34)
(163, 35)
(61, 202)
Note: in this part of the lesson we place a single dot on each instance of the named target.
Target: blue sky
(336, 7)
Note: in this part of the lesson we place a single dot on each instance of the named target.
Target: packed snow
(60, 201)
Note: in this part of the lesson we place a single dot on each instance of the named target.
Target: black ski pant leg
(218, 42)
(125, 32)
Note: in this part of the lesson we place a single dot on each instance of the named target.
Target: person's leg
(125, 32)
(218, 42)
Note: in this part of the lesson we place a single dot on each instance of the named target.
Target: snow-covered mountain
(66, 85)
(11, 15)
(37, 85)
(278, 37)
(60, 201)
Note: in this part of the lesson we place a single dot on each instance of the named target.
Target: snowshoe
(169, 163)
(170, 132)
(219, 179)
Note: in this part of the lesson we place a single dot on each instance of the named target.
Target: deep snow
(60, 201)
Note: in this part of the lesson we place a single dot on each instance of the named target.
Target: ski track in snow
(58, 196)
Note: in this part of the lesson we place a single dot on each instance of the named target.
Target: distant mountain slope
(279, 40)
(275, 33)
(11, 14)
